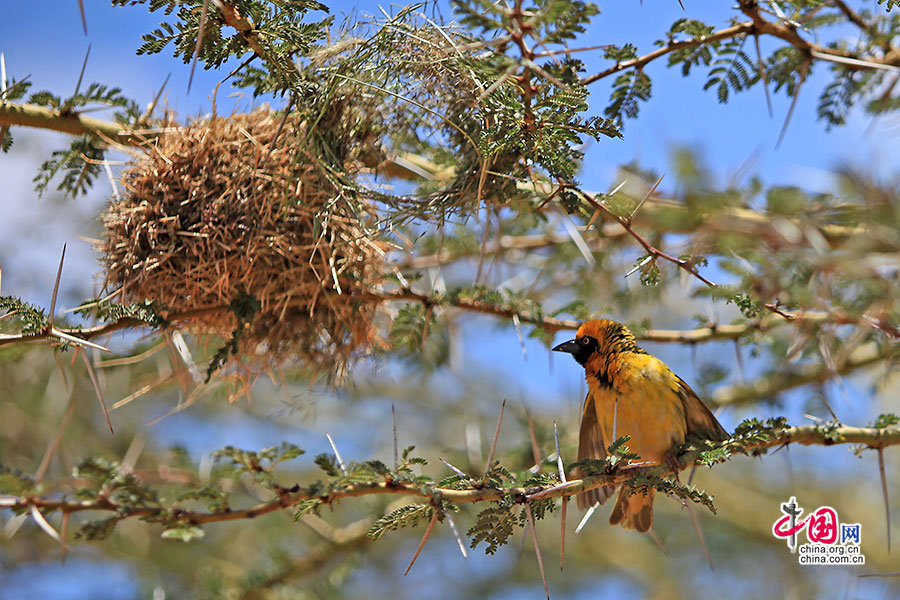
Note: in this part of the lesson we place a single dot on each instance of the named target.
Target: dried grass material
(217, 210)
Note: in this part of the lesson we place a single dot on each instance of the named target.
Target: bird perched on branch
(632, 393)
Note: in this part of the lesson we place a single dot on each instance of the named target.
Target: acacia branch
(784, 380)
(868, 437)
(710, 332)
(758, 25)
(654, 252)
(855, 18)
(503, 244)
(39, 117)
(638, 63)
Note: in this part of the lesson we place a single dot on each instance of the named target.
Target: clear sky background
(45, 41)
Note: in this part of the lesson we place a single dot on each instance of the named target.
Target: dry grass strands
(245, 205)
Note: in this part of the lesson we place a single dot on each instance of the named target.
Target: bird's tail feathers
(595, 496)
(633, 510)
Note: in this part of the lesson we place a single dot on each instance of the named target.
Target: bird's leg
(671, 461)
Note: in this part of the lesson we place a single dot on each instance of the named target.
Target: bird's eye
(584, 341)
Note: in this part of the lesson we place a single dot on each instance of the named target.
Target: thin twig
(650, 249)
(637, 63)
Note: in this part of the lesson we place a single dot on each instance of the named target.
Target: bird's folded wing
(592, 445)
(700, 421)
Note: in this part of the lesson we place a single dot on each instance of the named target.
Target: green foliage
(731, 70)
(405, 516)
(214, 497)
(648, 268)
(306, 507)
(97, 531)
(273, 26)
(258, 464)
(96, 93)
(885, 420)
(106, 479)
(328, 463)
(749, 307)
(618, 453)
(502, 125)
(708, 458)
(29, 319)
(690, 56)
(244, 307)
(15, 89)
(784, 68)
(80, 165)
(753, 430)
(620, 53)
(577, 308)
(629, 88)
(494, 525)
(419, 336)
(147, 311)
(540, 118)
(14, 482)
(640, 483)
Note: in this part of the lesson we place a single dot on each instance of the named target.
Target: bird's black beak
(571, 347)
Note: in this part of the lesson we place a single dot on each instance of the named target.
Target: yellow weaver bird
(632, 393)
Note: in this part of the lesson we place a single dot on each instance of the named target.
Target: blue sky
(49, 45)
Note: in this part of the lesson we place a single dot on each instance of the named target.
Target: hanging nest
(242, 216)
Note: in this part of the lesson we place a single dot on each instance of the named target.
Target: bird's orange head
(600, 337)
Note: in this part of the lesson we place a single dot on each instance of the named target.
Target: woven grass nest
(216, 212)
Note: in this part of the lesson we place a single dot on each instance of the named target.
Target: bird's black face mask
(580, 348)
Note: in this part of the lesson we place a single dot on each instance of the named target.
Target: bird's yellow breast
(634, 394)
